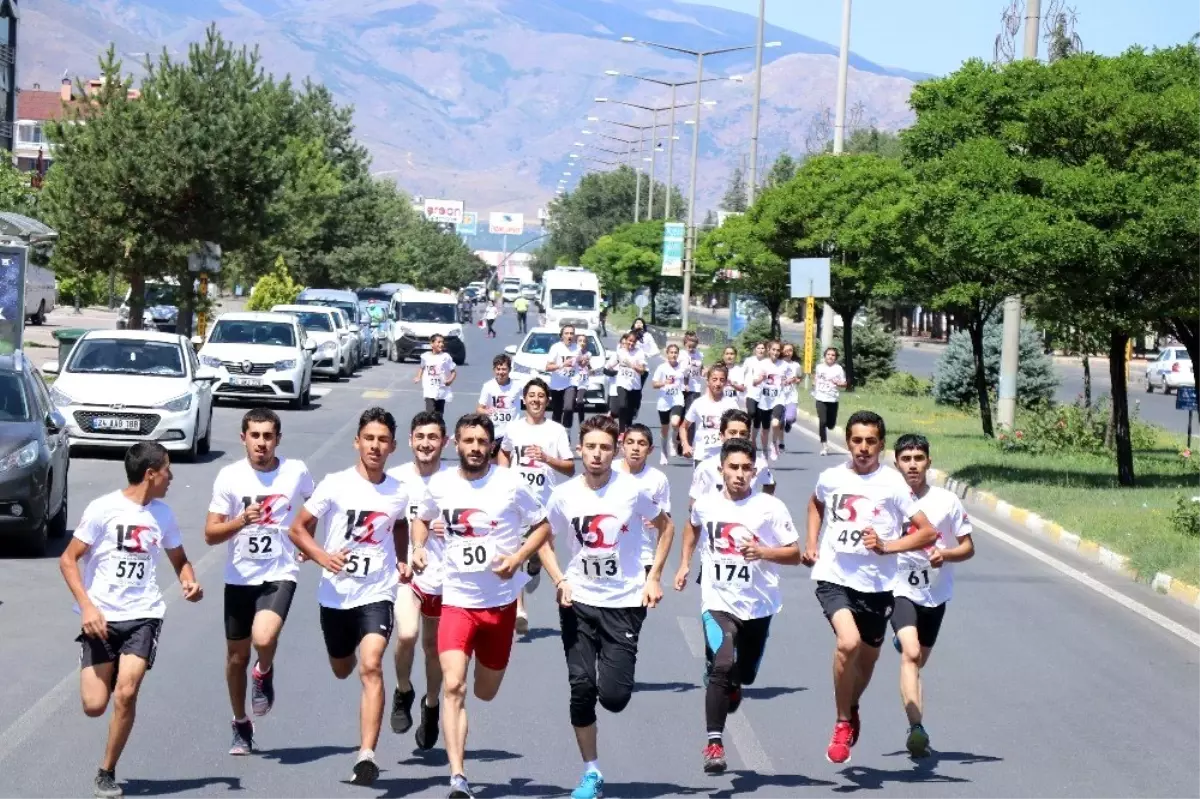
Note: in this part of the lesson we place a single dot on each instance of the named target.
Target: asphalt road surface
(1039, 685)
(921, 361)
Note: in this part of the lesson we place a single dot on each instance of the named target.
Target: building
(8, 73)
(36, 107)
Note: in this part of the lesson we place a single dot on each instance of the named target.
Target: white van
(416, 316)
(41, 293)
(571, 296)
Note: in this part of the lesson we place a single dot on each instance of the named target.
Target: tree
(630, 258)
(15, 192)
(273, 288)
(783, 170)
(710, 220)
(735, 192)
(883, 143)
(954, 375)
(738, 247)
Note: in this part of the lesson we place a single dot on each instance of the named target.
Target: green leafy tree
(874, 350)
(735, 193)
(16, 195)
(883, 143)
(783, 170)
(630, 258)
(739, 248)
(274, 288)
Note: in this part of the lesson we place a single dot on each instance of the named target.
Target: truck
(571, 296)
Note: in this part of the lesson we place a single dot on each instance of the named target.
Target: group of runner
(444, 553)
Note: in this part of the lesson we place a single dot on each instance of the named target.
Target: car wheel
(1166, 388)
(39, 317)
(205, 444)
(1149, 385)
(193, 452)
(58, 524)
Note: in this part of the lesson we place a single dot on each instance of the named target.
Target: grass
(1078, 491)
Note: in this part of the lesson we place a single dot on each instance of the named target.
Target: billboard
(444, 211)
(672, 249)
(506, 224)
(12, 297)
(469, 226)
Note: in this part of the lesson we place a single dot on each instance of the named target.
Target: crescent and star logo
(469, 522)
(129, 537)
(728, 538)
(601, 531)
(275, 507)
(844, 509)
(363, 525)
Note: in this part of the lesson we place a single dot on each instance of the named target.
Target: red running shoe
(855, 725)
(714, 759)
(839, 744)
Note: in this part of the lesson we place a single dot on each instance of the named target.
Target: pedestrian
(490, 317)
(521, 306)
(604, 321)
(828, 377)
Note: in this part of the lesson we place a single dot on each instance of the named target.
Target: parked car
(260, 355)
(34, 458)
(377, 313)
(529, 361)
(334, 351)
(119, 387)
(1170, 370)
(347, 302)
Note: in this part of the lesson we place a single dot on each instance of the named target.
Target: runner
(500, 399)
(631, 368)
(583, 376)
(363, 511)
(792, 370)
(117, 597)
(925, 581)
(419, 602)
(490, 314)
(769, 378)
(735, 386)
(857, 513)
(746, 535)
(253, 504)
(750, 370)
(538, 449)
(828, 377)
(645, 340)
(561, 365)
(436, 375)
(706, 479)
(700, 429)
(636, 446)
(487, 512)
(604, 594)
(669, 378)
(694, 362)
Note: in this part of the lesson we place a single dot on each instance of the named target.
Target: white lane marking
(737, 726)
(1124, 601)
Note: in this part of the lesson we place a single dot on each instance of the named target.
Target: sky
(947, 32)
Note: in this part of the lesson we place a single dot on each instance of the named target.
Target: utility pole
(637, 176)
(653, 162)
(839, 144)
(690, 237)
(670, 158)
(752, 188)
(1010, 344)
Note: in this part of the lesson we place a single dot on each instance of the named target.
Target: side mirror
(50, 368)
(310, 346)
(511, 349)
(55, 422)
(197, 341)
(206, 374)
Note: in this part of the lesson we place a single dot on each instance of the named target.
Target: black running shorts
(664, 417)
(243, 603)
(928, 621)
(137, 637)
(870, 609)
(344, 630)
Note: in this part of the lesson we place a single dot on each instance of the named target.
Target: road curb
(1049, 531)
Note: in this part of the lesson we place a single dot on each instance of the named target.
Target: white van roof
(426, 296)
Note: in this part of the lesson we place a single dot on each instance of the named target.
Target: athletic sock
(242, 720)
(366, 754)
(715, 738)
(259, 671)
(593, 767)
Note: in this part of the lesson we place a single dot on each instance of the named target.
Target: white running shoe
(522, 624)
(824, 450)
(663, 460)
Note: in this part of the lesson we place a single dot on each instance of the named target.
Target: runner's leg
(433, 667)
(130, 671)
(720, 642)
(454, 711)
(845, 661)
(408, 622)
(579, 638)
(911, 655)
(95, 687)
(370, 672)
(237, 660)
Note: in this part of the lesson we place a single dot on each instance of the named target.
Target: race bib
(502, 416)
(628, 374)
(770, 392)
(131, 571)
(710, 438)
(922, 578)
(847, 539)
(534, 477)
(473, 554)
(362, 563)
(731, 392)
(259, 543)
(730, 571)
(600, 567)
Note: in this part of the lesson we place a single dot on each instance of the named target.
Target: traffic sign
(469, 225)
(810, 277)
(641, 300)
(1185, 398)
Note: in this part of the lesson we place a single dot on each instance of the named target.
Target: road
(1040, 686)
(922, 360)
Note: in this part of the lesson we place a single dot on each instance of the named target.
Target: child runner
(735, 386)
(436, 375)
(670, 377)
(828, 377)
(500, 398)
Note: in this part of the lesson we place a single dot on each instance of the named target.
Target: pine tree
(954, 375)
(735, 195)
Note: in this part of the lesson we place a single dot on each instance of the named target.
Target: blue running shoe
(590, 787)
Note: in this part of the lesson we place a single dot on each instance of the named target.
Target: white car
(334, 353)
(260, 355)
(1170, 370)
(529, 361)
(119, 387)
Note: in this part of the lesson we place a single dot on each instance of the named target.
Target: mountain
(481, 100)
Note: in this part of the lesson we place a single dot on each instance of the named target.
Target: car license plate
(115, 423)
(245, 381)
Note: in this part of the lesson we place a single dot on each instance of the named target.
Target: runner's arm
(301, 535)
(816, 511)
(924, 536)
(453, 374)
(420, 371)
(538, 534)
(565, 466)
(192, 591)
(691, 536)
(785, 556)
(549, 559)
(964, 551)
(219, 528)
(68, 564)
(400, 539)
(666, 534)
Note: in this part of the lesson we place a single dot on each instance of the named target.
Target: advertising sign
(672, 257)
(12, 297)
(504, 224)
(469, 226)
(444, 211)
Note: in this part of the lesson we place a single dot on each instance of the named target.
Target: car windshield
(1182, 355)
(249, 331)
(471, 291)
(436, 312)
(540, 343)
(349, 309)
(127, 356)
(14, 406)
(161, 294)
(572, 300)
(382, 295)
(316, 321)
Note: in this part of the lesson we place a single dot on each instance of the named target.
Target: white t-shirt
(583, 370)
(611, 380)
(915, 578)
(707, 479)
(705, 418)
(788, 395)
(606, 528)
(358, 516)
(124, 540)
(628, 377)
(552, 438)
(503, 403)
(853, 502)
(486, 520)
(262, 552)
(674, 380)
(746, 590)
(430, 580)
(770, 390)
(825, 380)
(647, 345)
(436, 369)
(751, 368)
(560, 378)
(491, 312)
(737, 374)
(654, 483)
(694, 363)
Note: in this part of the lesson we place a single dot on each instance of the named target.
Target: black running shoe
(243, 738)
(263, 697)
(402, 702)
(105, 785)
(365, 771)
(427, 733)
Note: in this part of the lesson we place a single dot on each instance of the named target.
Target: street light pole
(691, 238)
(1010, 342)
(637, 176)
(839, 144)
(758, 59)
(670, 159)
(653, 162)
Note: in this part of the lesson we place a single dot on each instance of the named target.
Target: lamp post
(641, 129)
(653, 141)
(762, 24)
(700, 55)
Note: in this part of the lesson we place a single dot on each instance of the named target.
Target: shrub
(954, 375)
(1185, 518)
(274, 288)
(91, 287)
(1053, 428)
(875, 346)
(903, 384)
